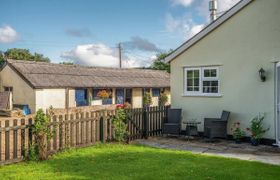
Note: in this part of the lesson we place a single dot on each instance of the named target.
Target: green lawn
(113, 161)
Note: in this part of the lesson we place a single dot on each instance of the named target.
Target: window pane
(196, 88)
(189, 88)
(206, 83)
(214, 83)
(196, 82)
(214, 89)
(189, 82)
(190, 74)
(155, 92)
(196, 73)
(206, 73)
(206, 89)
(213, 73)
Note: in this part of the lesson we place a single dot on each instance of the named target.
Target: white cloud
(182, 26)
(92, 55)
(181, 2)
(195, 29)
(185, 26)
(101, 55)
(8, 34)
(225, 5)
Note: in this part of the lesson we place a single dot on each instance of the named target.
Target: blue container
(24, 107)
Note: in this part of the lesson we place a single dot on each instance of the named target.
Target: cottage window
(8, 88)
(202, 81)
(155, 92)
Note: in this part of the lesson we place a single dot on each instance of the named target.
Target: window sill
(202, 95)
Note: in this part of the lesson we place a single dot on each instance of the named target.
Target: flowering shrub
(147, 99)
(237, 132)
(119, 106)
(103, 94)
(119, 124)
(257, 130)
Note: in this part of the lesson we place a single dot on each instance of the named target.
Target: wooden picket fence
(75, 130)
(145, 122)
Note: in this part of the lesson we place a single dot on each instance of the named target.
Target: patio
(243, 151)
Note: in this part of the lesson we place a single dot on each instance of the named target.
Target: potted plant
(257, 130)
(163, 98)
(103, 94)
(147, 99)
(237, 133)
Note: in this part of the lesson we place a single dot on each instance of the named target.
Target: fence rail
(75, 130)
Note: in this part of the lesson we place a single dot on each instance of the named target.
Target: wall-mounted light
(262, 74)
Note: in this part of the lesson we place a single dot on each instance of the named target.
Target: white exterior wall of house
(22, 91)
(72, 101)
(248, 41)
(137, 98)
(50, 97)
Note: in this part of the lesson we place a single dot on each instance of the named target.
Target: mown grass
(115, 161)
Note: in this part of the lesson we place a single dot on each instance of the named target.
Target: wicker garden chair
(216, 127)
(172, 126)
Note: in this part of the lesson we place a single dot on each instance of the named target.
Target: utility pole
(120, 54)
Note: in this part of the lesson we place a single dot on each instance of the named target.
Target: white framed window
(202, 81)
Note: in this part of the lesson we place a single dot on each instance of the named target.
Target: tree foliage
(159, 63)
(24, 54)
(2, 59)
(66, 63)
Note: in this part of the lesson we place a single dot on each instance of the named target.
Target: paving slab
(224, 148)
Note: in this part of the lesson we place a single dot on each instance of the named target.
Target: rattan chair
(172, 126)
(216, 127)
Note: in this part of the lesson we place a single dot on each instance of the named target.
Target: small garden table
(191, 128)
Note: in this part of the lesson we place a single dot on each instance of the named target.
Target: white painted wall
(137, 98)
(241, 46)
(72, 101)
(50, 97)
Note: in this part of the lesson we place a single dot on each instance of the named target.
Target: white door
(277, 104)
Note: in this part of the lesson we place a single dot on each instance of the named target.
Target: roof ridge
(12, 61)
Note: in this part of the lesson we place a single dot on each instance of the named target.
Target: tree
(66, 63)
(24, 54)
(159, 63)
(2, 59)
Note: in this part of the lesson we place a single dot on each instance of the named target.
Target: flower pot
(255, 142)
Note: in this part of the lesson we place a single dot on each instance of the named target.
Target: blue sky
(87, 31)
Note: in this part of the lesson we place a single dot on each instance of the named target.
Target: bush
(257, 130)
(120, 126)
(147, 99)
(42, 134)
(163, 98)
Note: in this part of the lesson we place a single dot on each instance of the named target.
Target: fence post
(102, 138)
(146, 122)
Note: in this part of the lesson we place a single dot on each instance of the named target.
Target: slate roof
(4, 100)
(49, 75)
